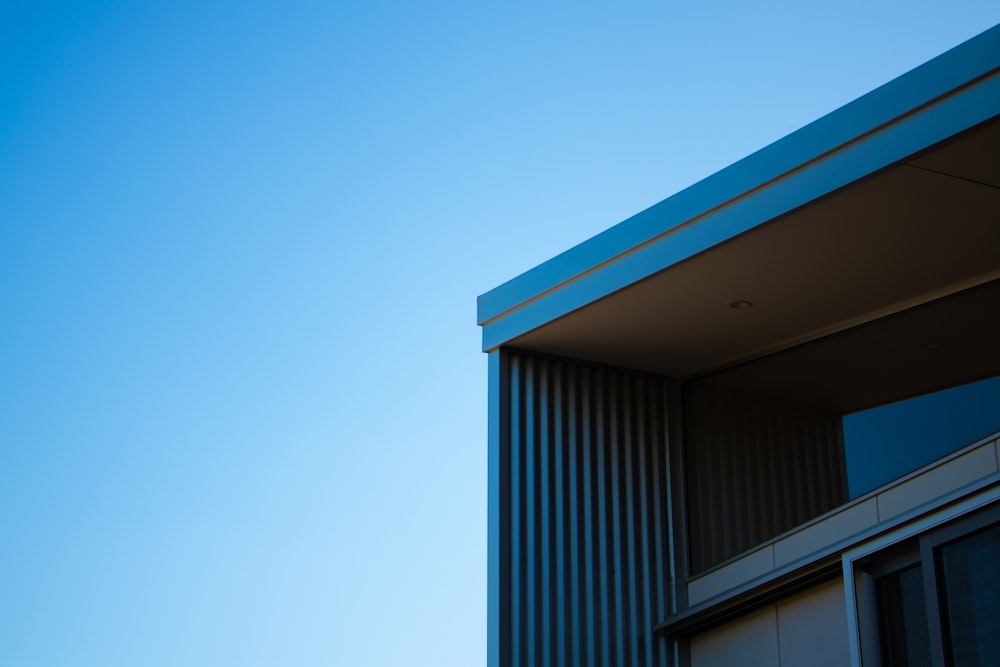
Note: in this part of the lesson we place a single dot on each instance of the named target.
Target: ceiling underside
(908, 235)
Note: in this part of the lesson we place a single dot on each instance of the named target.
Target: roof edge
(936, 78)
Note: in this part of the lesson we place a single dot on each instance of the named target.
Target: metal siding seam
(495, 634)
(784, 489)
(769, 490)
(829, 463)
(552, 529)
(576, 635)
(659, 569)
(602, 517)
(719, 488)
(706, 482)
(737, 526)
(838, 465)
(638, 515)
(842, 490)
(695, 544)
(695, 491)
(514, 490)
(785, 461)
(721, 534)
(589, 546)
(558, 463)
(743, 498)
(647, 578)
(614, 524)
(673, 466)
(643, 619)
(799, 470)
(665, 513)
(631, 434)
(756, 508)
(719, 537)
(530, 523)
(612, 448)
(762, 471)
(544, 523)
(628, 518)
(641, 500)
(663, 565)
(777, 501)
(663, 568)
(828, 478)
(815, 488)
(666, 527)
(789, 477)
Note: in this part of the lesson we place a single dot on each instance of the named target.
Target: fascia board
(932, 102)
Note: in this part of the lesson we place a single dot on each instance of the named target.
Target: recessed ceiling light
(740, 304)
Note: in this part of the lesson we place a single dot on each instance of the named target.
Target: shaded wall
(805, 630)
(756, 467)
(583, 560)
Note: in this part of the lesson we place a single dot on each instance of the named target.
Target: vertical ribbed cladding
(756, 467)
(584, 539)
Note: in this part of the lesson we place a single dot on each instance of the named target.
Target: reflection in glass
(971, 598)
(891, 440)
(904, 640)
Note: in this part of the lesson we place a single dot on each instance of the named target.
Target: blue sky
(242, 403)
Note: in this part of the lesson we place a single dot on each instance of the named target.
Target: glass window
(937, 603)
(887, 442)
(903, 618)
(970, 591)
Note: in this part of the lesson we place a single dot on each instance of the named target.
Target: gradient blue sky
(242, 403)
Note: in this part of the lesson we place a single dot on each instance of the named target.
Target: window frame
(913, 543)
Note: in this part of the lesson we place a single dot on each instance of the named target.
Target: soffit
(901, 237)
(947, 342)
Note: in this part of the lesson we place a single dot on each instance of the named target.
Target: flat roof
(883, 204)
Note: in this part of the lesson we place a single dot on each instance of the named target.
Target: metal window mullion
(932, 600)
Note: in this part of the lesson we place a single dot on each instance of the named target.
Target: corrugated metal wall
(756, 467)
(583, 526)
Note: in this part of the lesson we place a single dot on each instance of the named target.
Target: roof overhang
(885, 204)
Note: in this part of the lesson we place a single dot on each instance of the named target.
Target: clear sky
(242, 402)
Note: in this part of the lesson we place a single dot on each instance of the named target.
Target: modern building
(757, 423)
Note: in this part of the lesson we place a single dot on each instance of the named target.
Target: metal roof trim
(702, 215)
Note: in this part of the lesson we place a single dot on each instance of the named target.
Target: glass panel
(889, 441)
(902, 612)
(971, 598)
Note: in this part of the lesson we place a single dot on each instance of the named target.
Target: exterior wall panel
(755, 469)
(812, 628)
(806, 630)
(751, 639)
(583, 538)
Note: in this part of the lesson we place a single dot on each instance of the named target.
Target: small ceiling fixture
(740, 304)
